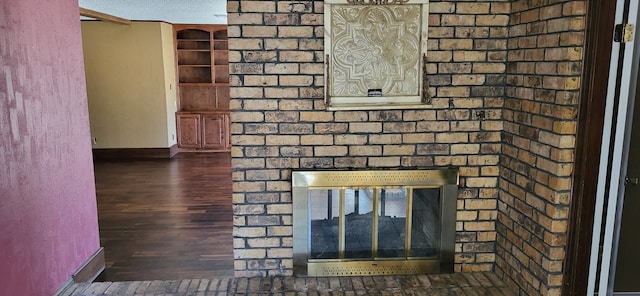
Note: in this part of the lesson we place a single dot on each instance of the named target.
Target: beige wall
(130, 84)
(171, 97)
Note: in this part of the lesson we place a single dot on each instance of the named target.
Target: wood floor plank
(166, 218)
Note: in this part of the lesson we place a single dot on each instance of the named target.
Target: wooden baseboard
(173, 150)
(87, 273)
(190, 150)
(91, 269)
(134, 153)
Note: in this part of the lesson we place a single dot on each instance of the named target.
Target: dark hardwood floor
(166, 219)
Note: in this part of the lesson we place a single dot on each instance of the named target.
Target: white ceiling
(171, 11)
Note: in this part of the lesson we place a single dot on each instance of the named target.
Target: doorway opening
(159, 218)
(604, 139)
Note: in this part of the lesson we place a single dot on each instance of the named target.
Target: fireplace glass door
(373, 228)
(343, 224)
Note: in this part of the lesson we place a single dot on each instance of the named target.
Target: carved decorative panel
(375, 52)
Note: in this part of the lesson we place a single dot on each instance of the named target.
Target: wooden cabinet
(208, 131)
(202, 54)
(188, 130)
(220, 56)
(202, 68)
(214, 131)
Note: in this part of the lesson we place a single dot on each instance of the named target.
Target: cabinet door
(213, 131)
(188, 130)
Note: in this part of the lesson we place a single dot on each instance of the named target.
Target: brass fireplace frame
(302, 181)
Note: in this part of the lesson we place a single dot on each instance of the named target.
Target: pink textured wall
(48, 218)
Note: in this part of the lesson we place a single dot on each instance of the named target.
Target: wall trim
(91, 269)
(87, 273)
(64, 288)
(173, 150)
(135, 153)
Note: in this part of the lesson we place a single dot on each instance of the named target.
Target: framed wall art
(375, 54)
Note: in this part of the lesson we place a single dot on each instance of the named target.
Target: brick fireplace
(504, 79)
